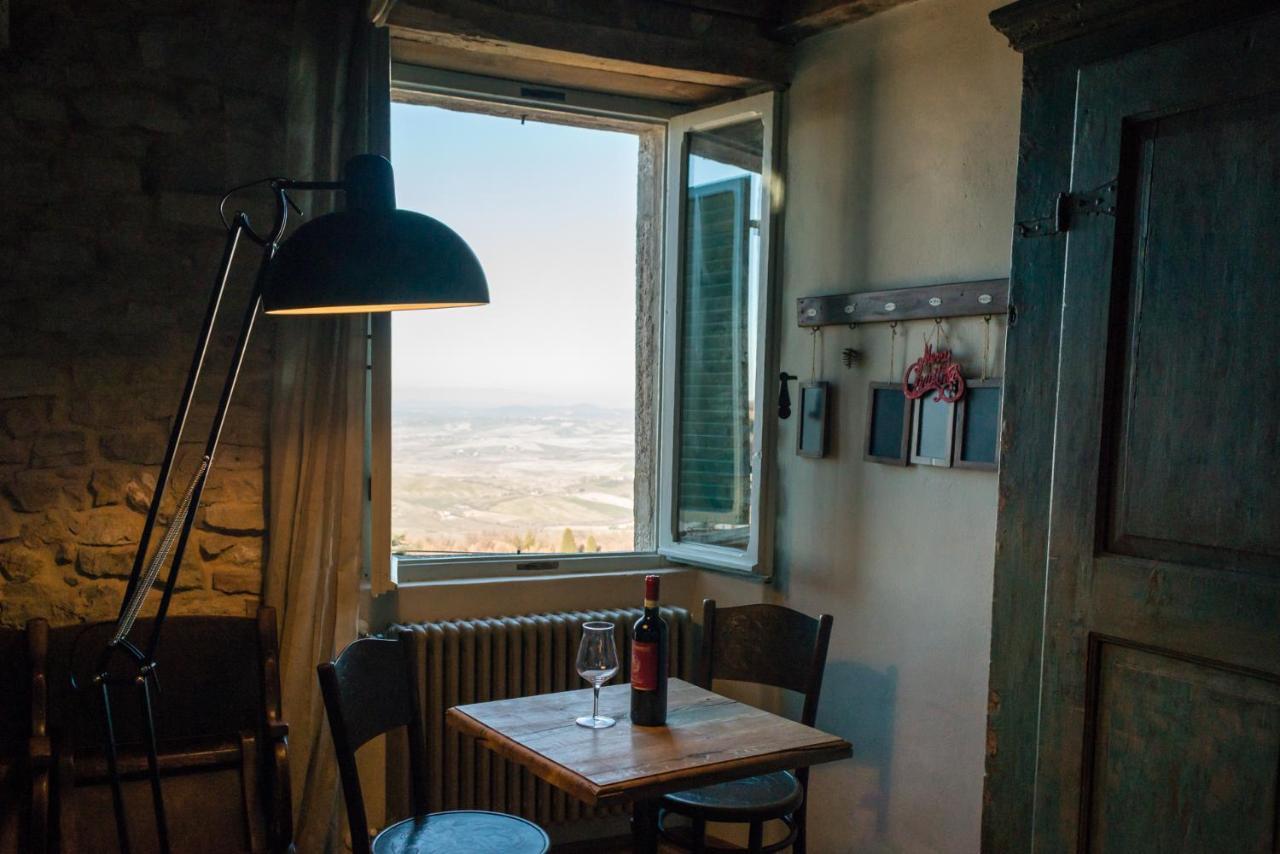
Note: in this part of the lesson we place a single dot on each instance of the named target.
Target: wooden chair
(765, 645)
(368, 690)
(223, 740)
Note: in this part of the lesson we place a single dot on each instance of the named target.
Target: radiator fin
(471, 661)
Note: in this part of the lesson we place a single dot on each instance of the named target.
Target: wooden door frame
(1058, 37)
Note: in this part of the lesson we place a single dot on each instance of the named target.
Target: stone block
(24, 416)
(107, 486)
(49, 528)
(108, 526)
(239, 552)
(37, 489)
(234, 517)
(49, 599)
(99, 562)
(19, 563)
(59, 448)
(10, 527)
(238, 581)
(138, 492)
(105, 410)
(15, 451)
(25, 377)
(233, 484)
(144, 447)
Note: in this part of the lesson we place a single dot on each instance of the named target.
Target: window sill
(534, 577)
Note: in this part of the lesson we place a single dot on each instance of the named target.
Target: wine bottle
(649, 646)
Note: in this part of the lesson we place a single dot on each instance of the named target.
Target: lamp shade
(372, 257)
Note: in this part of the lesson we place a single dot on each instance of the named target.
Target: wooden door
(1159, 696)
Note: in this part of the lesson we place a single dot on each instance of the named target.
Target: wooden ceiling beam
(637, 37)
(804, 18)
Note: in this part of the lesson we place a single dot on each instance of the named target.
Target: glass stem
(595, 702)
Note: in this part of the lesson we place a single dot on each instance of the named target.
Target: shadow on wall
(858, 704)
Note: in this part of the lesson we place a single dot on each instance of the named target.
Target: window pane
(513, 424)
(720, 278)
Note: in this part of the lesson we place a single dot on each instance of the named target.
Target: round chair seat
(462, 832)
(759, 798)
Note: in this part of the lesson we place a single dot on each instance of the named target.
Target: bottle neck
(651, 607)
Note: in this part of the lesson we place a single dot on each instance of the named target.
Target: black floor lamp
(369, 257)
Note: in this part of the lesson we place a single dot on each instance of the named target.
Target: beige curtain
(339, 105)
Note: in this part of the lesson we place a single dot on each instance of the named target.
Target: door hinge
(1067, 206)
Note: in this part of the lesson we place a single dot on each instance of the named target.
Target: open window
(677, 471)
(716, 436)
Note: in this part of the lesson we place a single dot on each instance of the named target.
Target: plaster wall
(902, 147)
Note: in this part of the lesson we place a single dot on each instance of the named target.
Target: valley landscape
(487, 479)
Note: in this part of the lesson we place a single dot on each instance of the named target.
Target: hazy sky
(550, 212)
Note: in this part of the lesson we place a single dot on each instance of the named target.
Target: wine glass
(597, 663)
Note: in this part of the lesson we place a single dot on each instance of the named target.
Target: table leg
(644, 827)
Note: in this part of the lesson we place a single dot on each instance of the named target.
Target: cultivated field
(512, 479)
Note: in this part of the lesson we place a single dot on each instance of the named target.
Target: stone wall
(121, 124)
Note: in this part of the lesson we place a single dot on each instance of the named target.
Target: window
(600, 413)
(716, 436)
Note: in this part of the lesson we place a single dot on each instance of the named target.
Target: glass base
(595, 722)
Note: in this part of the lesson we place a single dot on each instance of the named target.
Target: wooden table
(708, 739)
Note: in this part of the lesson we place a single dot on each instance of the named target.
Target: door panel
(1184, 755)
(1198, 408)
(1160, 715)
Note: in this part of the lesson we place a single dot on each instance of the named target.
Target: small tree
(592, 545)
(568, 544)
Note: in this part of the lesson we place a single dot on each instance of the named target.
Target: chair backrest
(368, 691)
(765, 645)
(223, 740)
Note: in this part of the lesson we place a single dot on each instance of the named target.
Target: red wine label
(644, 666)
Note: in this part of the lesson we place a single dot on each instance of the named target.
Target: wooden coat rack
(960, 299)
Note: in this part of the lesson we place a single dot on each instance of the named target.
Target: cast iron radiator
(471, 661)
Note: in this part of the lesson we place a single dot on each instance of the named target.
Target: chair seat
(462, 832)
(752, 799)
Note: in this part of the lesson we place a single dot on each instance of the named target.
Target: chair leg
(699, 831)
(755, 837)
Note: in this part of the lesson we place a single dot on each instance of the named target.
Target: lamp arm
(234, 233)
(211, 444)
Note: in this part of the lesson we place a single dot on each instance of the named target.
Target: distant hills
(473, 477)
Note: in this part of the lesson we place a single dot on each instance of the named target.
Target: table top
(708, 739)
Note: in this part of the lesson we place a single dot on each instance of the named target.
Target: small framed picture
(977, 439)
(888, 425)
(933, 424)
(815, 411)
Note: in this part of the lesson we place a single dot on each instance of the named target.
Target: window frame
(756, 559)
(418, 84)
